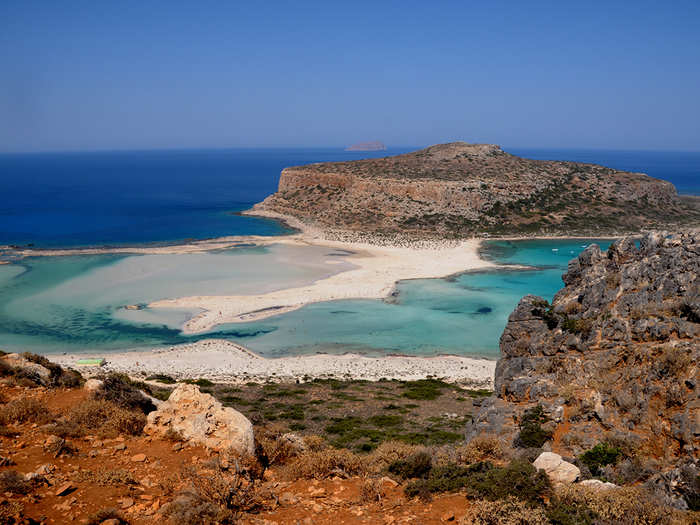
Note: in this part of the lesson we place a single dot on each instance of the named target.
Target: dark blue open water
(78, 199)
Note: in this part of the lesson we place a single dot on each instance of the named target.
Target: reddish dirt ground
(154, 465)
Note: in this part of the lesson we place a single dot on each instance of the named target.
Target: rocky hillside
(460, 189)
(611, 363)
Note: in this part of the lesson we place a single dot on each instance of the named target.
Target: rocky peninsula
(461, 190)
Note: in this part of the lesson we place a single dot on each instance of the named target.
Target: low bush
(371, 490)
(107, 477)
(272, 448)
(424, 389)
(59, 377)
(13, 482)
(104, 418)
(531, 434)
(211, 498)
(484, 481)
(162, 378)
(509, 511)
(23, 410)
(389, 452)
(10, 511)
(323, 464)
(623, 505)
(199, 382)
(481, 448)
(417, 465)
(123, 392)
(599, 456)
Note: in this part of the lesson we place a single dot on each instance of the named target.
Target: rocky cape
(461, 190)
(614, 359)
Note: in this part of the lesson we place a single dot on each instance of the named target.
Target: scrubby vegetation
(398, 420)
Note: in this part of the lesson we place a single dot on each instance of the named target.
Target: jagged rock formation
(200, 418)
(460, 189)
(614, 358)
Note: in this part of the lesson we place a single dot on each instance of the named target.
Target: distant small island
(367, 146)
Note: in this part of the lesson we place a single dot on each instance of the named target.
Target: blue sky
(147, 74)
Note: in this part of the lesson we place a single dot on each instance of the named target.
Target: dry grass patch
(107, 477)
(24, 410)
(371, 491)
(100, 417)
(212, 497)
(323, 464)
(509, 511)
(481, 448)
(623, 505)
(13, 482)
(390, 452)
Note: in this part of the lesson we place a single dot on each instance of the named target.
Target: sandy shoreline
(224, 361)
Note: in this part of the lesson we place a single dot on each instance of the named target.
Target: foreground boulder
(201, 419)
(558, 470)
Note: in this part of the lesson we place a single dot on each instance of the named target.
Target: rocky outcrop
(461, 189)
(619, 346)
(613, 359)
(20, 362)
(199, 418)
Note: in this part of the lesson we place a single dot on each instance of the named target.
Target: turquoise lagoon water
(73, 303)
(462, 315)
(76, 303)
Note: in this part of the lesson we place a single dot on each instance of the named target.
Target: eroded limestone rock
(558, 470)
(199, 418)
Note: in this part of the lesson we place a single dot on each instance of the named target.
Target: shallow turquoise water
(464, 315)
(52, 304)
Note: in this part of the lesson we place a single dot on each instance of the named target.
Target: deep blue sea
(106, 198)
(77, 303)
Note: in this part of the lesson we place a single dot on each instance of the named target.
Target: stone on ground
(201, 419)
(558, 470)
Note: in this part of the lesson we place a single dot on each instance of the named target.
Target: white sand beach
(224, 361)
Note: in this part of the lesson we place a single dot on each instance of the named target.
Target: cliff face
(459, 189)
(614, 358)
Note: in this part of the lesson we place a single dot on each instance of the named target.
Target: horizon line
(327, 147)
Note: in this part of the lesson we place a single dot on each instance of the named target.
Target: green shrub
(518, 477)
(122, 391)
(599, 456)
(531, 434)
(199, 382)
(161, 378)
(424, 389)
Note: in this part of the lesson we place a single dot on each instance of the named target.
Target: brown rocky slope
(613, 360)
(461, 189)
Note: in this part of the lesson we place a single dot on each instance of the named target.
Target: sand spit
(224, 361)
(378, 268)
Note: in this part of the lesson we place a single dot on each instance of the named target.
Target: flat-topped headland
(460, 190)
